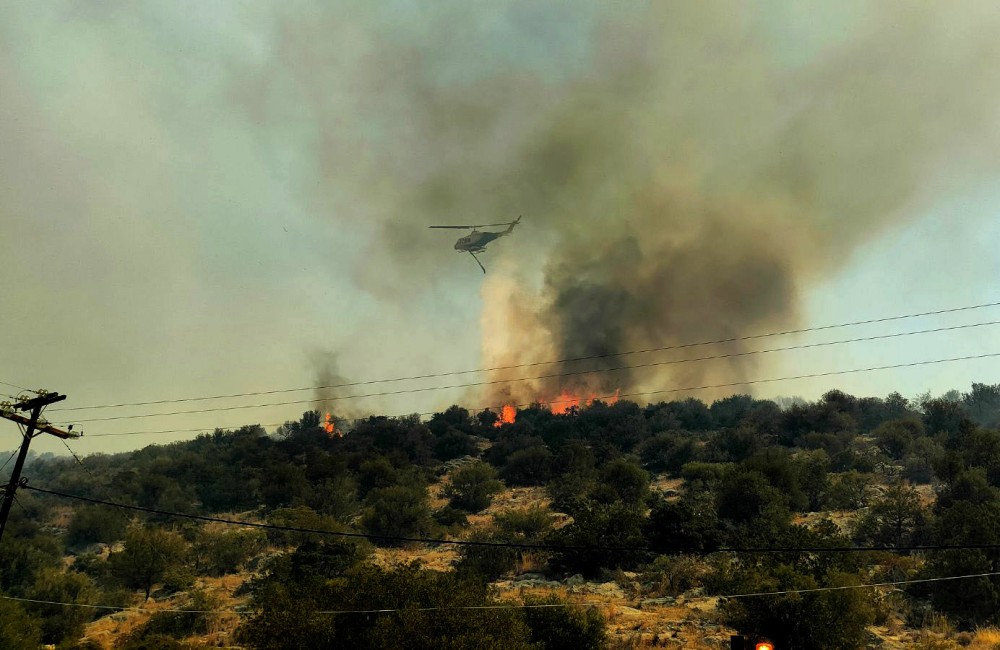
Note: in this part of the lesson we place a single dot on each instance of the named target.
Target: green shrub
(564, 627)
(94, 524)
(150, 555)
(824, 620)
(450, 517)
(18, 630)
(217, 554)
(397, 511)
(472, 487)
(286, 617)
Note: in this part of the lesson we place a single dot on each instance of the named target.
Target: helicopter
(475, 241)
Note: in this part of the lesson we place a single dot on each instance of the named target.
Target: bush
(472, 487)
(94, 524)
(526, 523)
(688, 524)
(827, 620)
(607, 526)
(217, 554)
(673, 575)
(304, 518)
(18, 630)
(564, 627)
(61, 623)
(454, 444)
(622, 480)
(667, 452)
(398, 511)
(150, 555)
(531, 466)
(450, 517)
(488, 562)
(285, 617)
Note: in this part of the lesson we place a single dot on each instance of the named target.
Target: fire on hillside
(566, 402)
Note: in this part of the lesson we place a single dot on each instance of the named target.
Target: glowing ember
(331, 427)
(507, 415)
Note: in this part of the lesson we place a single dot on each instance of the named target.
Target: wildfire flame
(568, 401)
(564, 403)
(331, 427)
(507, 414)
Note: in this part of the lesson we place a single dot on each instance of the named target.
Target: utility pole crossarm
(40, 427)
(32, 425)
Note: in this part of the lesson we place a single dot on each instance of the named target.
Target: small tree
(60, 623)
(608, 529)
(827, 620)
(622, 480)
(531, 466)
(564, 628)
(472, 487)
(896, 519)
(150, 554)
(18, 631)
(397, 511)
(92, 524)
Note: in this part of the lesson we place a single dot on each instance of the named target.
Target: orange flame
(507, 415)
(568, 401)
(331, 427)
(564, 403)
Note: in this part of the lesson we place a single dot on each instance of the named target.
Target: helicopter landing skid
(478, 262)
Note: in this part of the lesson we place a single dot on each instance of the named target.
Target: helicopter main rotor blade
(481, 225)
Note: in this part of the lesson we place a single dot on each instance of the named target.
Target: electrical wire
(139, 433)
(509, 605)
(552, 402)
(542, 363)
(9, 458)
(525, 546)
(7, 383)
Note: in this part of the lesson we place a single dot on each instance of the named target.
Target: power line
(563, 401)
(138, 433)
(526, 546)
(509, 605)
(7, 383)
(541, 363)
(9, 458)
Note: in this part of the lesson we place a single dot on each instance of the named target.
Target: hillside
(620, 526)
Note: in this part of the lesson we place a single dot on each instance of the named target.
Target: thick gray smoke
(686, 171)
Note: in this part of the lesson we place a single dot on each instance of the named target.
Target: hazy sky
(216, 197)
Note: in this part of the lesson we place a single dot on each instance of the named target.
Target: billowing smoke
(331, 389)
(686, 171)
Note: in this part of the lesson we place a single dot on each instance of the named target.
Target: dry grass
(109, 629)
(987, 638)
(438, 559)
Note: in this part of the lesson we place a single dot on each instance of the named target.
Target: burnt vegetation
(657, 492)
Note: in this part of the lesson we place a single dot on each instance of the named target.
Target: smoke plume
(686, 173)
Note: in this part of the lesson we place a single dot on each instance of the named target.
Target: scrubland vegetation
(668, 505)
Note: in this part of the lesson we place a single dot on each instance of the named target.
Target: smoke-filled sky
(212, 198)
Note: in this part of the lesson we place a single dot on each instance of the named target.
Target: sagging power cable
(542, 363)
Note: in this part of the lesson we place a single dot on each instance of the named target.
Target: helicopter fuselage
(475, 242)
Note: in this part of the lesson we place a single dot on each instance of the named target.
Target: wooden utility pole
(34, 427)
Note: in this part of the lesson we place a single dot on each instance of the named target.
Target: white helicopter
(475, 241)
